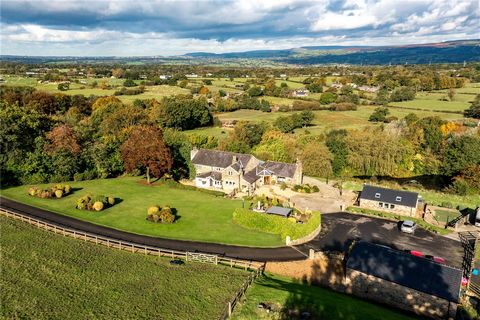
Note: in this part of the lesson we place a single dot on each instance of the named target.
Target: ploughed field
(201, 216)
(48, 276)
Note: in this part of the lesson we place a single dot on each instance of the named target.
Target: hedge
(274, 224)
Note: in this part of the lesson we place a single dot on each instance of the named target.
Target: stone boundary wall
(307, 238)
(389, 293)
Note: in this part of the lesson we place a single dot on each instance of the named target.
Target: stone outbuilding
(390, 200)
(404, 281)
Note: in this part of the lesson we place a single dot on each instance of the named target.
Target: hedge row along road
(236, 252)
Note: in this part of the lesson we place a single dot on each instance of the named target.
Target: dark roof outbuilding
(220, 159)
(404, 198)
(407, 270)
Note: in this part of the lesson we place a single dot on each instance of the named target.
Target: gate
(201, 257)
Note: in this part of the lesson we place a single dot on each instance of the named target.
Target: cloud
(120, 27)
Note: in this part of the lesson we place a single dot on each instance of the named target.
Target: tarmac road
(338, 231)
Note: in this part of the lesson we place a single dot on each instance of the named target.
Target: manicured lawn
(48, 276)
(287, 294)
(202, 217)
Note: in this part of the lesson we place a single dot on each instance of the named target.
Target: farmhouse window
(398, 199)
(377, 195)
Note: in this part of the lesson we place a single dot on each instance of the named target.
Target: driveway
(340, 229)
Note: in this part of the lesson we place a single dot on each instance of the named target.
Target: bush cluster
(275, 224)
(306, 188)
(162, 215)
(56, 191)
(95, 203)
(266, 202)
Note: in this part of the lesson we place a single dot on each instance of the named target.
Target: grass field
(217, 132)
(284, 294)
(429, 104)
(202, 217)
(326, 120)
(47, 276)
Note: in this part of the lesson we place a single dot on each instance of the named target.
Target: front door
(266, 179)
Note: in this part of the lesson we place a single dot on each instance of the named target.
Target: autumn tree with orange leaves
(145, 148)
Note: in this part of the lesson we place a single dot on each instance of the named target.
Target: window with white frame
(398, 199)
(377, 195)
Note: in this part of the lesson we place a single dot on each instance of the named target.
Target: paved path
(338, 231)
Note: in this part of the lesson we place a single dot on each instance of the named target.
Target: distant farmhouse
(300, 93)
(403, 280)
(397, 201)
(240, 172)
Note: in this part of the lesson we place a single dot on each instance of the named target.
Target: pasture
(48, 276)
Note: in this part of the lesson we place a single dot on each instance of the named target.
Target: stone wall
(379, 290)
(399, 209)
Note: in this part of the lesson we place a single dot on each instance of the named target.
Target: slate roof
(279, 168)
(211, 174)
(407, 270)
(221, 159)
(407, 198)
(251, 176)
(281, 211)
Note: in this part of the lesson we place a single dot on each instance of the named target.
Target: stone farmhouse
(390, 200)
(237, 172)
(404, 281)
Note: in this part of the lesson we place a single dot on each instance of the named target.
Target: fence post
(229, 310)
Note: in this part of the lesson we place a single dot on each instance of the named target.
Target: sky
(163, 28)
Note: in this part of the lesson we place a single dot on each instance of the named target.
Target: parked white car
(408, 226)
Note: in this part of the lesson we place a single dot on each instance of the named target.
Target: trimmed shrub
(58, 193)
(315, 189)
(94, 203)
(163, 215)
(98, 206)
(153, 210)
(111, 201)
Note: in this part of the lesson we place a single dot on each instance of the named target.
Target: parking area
(340, 229)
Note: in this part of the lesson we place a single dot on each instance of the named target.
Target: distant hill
(441, 52)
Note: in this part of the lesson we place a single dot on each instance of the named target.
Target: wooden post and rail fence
(134, 247)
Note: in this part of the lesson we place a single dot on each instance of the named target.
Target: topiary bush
(163, 215)
(57, 191)
(94, 203)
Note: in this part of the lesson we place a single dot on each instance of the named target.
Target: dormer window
(377, 195)
(398, 199)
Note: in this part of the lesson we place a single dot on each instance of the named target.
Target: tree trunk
(148, 175)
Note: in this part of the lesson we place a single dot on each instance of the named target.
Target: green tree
(379, 114)
(460, 152)
(474, 110)
(316, 160)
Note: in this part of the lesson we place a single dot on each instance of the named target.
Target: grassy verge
(276, 224)
(286, 296)
(398, 217)
(47, 276)
(446, 215)
(201, 216)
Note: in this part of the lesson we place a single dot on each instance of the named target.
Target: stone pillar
(288, 240)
